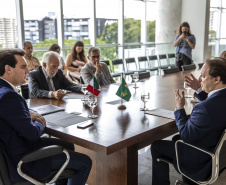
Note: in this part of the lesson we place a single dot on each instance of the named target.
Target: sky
(37, 9)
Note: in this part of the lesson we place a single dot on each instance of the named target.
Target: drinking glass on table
(187, 89)
(135, 78)
(84, 90)
(145, 96)
(92, 103)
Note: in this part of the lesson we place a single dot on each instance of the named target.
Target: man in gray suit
(47, 81)
(97, 68)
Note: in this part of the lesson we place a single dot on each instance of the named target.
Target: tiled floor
(145, 170)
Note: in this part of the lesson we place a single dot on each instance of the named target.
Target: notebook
(162, 113)
(47, 109)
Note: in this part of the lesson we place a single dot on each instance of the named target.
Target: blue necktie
(105, 81)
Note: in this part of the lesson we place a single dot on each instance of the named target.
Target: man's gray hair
(92, 49)
(46, 56)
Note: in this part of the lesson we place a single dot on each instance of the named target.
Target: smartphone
(85, 124)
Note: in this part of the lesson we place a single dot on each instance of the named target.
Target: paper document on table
(161, 113)
(64, 119)
(73, 96)
(47, 109)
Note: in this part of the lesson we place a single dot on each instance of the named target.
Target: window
(132, 20)
(150, 22)
(77, 15)
(8, 24)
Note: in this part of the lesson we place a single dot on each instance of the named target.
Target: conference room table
(116, 136)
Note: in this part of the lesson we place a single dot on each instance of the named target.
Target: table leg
(119, 168)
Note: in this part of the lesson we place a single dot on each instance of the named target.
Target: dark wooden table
(117, 135)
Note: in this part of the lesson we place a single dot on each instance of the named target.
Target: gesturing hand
(193, 82)
(37, 117)
(179, 99)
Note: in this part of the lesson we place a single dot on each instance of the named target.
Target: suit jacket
(88, 71)
(19, 135)
(201, 96)
(203, 129)
(38, 86)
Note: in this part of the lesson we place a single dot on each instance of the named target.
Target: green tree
(212, 34)
(151, 31)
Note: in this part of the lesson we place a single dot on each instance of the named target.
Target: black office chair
(218, 158)
(171, 70)
(25, 91)
(108, 64)
(144, 64)
(132, 61)
(171, 59)
(121, 68)
(200, 65)
(188, 67)
(163, 62)
(33, 156)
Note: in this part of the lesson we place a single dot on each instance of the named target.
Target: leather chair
(218, 158)
(171, 59)
(188, 67)
(163, 62)
(108, 64)
(130, 61)
(120, 64)
(171, 70)
(35, 155)
(25, 91)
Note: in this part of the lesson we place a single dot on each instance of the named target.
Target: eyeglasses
(93, 57)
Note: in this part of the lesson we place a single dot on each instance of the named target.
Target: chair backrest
(143, 62)
(131, 62)
(200, 65)
(171, 58)
(171, 70)
(119, 63)
(188, 67)
(108, 64)
(153, 61)
(144, 75)
(163, 60)
(25, 91)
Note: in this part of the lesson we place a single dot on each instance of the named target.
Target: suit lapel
(43, 79)
(56, 82)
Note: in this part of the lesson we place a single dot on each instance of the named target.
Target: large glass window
(76, 22)
(8, 24)
(107, 21)
(150, 20)
(133, 14)
(217, 35)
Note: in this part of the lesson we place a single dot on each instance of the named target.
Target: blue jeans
(80, 163)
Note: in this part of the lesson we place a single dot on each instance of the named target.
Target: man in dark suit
(47, 81)
(21, 128)
(203, 129)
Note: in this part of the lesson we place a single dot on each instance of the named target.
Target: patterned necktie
(49, 84)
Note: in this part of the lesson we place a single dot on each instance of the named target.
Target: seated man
(47, 80)
(195, 83)
(97, 68)
(203, 129)
(32, 61)
(20, 129)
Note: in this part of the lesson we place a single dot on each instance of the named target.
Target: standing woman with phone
(184, 43)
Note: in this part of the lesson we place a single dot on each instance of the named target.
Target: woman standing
(76, 59)
(184, 42)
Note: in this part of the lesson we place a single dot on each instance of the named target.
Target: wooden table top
(116, 129)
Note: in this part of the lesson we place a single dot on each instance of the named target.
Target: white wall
(196, 13)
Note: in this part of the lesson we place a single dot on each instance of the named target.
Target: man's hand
(37, 117)
(193, 82)
(98, 66)
(179, 99)
(59, 94)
